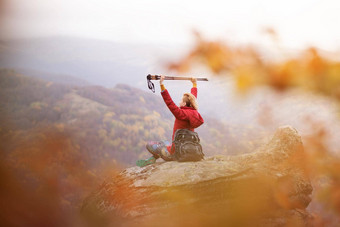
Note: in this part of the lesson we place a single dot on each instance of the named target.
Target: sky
(299, 23)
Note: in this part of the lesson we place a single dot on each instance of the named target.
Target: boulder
(267, 187)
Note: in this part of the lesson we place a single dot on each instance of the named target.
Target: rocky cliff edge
(268, 187)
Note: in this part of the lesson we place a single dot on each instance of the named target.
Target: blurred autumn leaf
(250, 67)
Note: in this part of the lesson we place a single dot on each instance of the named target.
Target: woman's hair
(190, 100)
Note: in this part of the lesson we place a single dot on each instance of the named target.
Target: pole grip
(153, 77)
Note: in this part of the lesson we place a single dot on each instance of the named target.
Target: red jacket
(186, 117)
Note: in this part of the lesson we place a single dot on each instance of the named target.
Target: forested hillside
(101, 123)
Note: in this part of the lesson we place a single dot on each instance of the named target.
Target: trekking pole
(157, 77)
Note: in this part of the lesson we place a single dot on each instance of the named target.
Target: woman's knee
(153, 148)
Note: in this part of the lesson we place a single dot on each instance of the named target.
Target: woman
(187, 117)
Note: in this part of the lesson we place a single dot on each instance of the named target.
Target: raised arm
(194, 86)
(175, 110)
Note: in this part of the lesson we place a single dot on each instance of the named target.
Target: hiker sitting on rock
(187, 117)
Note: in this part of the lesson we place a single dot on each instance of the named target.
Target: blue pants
(160, 149)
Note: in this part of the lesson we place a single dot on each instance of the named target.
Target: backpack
(187, 146)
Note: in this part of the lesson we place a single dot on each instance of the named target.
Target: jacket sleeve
(175, 110)
(194, 91)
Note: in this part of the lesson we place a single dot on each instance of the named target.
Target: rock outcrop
(265, 188)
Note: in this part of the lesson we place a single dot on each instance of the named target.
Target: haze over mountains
(99, 62)
(81, 62)
(85, 61)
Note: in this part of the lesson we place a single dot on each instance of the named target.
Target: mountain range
(83, 62)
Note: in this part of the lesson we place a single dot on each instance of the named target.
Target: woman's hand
(161, 80)
(193, 80)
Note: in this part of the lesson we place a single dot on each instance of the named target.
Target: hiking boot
(145, 162)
